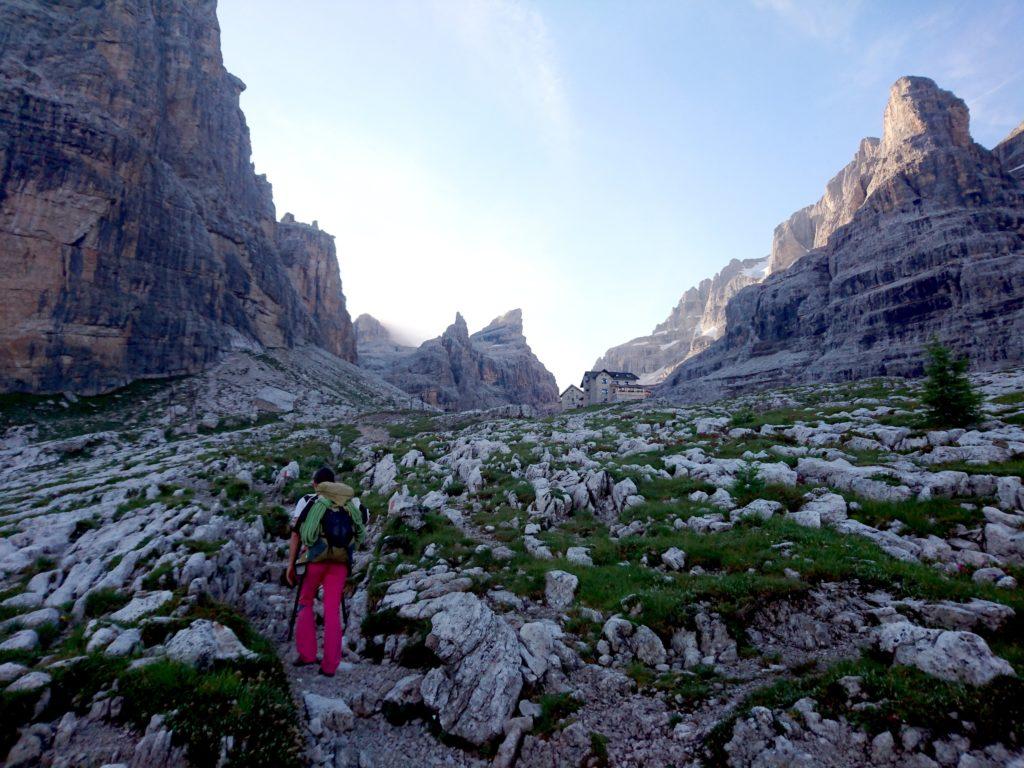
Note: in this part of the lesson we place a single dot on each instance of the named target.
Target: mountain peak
(368, 327)
(511, 321)
(921, 113)
(458, 329)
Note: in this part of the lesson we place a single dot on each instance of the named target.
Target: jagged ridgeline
(458, 370)
(920, 235)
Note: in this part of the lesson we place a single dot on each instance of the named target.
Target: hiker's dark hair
(323, 475)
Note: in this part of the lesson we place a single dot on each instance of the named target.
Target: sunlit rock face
(936, 249)
(136, 239)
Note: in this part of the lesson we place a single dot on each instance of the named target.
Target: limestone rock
(134, 232)
(334, 714)
(560, 588)
(476, 690)
(141, 606)
(204, 642)
(934, 249)
(946, 654)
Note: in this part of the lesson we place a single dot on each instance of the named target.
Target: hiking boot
(300, 663)
(325, 674)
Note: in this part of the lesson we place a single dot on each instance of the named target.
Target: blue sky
(585, 161)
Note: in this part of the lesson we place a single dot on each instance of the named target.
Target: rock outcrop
(136, 239)
(458, 371)
(311, 261)
(811, 227)
(1011, 152)
(934, 250)
(376, 348)
(697, 320)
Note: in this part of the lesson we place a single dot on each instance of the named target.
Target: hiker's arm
(357, 521)
(293, 553)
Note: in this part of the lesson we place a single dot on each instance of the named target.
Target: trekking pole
(295, 606)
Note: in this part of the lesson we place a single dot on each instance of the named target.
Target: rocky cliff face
(936, 248)
(311, 262)
(1010, 152)
(700, 319)
(458, 371)
(811, 227)
(695, 322)
(135, 238)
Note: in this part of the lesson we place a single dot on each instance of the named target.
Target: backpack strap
(358, 524)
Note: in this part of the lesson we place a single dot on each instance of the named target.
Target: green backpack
(328, 532)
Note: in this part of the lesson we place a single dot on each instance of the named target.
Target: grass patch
(104, 601)
(253, 709)
(693, 686)
(1013, 467)
(159, 577)
(934, 516)
(554, 709)
(204, 546)
(1013, 398)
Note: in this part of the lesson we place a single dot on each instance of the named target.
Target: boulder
(647, 646)
(946, 654)
(24, 640)
(32, 681)
(560, 589)
(579, 556)
(476, 689)
(406, 692)
(142, 606)
(204, 642)
(674, 559)
(334, 714)
(125, 644)
(1005, 542)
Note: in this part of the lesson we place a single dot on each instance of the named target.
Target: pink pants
(332, 576)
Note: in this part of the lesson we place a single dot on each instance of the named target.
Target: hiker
(329, 523)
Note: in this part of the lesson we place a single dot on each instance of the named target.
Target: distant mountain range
(459, 371)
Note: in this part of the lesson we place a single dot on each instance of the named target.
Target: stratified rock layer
(135, 238)
(936, 249)
(1011, 152)
(458, 371)
(700, 317)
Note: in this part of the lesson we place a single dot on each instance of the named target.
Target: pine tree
(949, 398)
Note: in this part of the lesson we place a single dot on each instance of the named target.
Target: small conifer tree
(948, 396)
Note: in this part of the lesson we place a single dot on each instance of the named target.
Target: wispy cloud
(512, 44)
(820, 19)
(961, 51)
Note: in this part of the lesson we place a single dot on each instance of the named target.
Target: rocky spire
(921, 114)
(458, 330)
